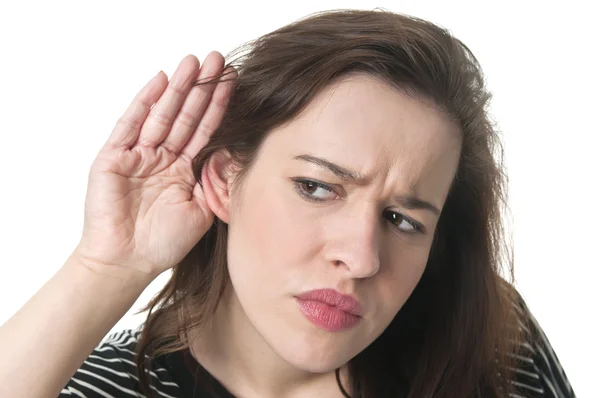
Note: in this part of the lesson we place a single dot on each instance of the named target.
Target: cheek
(396, 282)
(269, 238)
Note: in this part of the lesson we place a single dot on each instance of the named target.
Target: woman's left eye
(315, 191)
(404, 224)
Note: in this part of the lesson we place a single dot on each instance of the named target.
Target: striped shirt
(110, 370)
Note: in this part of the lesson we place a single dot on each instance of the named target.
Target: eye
(314, 190)
(403, 223)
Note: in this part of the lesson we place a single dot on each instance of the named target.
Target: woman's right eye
(314, 190)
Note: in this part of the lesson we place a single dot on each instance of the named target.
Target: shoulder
(539, 372)
(110, 371)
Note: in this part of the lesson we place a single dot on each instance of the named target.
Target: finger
(195, 104)
(213, 116)
(161, 116)
(128, 126)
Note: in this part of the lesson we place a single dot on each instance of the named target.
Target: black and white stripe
(109, 372)
(539, 373)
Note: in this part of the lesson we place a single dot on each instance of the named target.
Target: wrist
(124, 276)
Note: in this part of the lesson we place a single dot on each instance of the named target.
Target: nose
(356, 244)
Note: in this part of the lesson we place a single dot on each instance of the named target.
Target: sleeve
(105, 373)
(544, 366)
(553, 377)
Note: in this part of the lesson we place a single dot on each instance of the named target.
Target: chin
(317, 363)
(315, 351)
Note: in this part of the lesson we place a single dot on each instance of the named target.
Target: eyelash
(300, 182)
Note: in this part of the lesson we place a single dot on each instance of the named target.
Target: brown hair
(454, 337)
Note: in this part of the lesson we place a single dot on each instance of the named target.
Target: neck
(232, 350)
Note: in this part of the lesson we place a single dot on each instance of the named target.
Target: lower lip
(327, 317)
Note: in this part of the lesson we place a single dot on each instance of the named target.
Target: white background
(69, 69)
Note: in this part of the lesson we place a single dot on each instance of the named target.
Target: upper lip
(334, 298)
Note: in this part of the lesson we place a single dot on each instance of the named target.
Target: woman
(332, 216)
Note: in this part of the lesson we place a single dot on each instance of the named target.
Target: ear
(217, 177)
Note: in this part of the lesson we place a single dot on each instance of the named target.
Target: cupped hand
(144, 209)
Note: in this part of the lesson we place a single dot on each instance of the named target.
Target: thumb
(199, 199)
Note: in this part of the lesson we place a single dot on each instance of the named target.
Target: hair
(455, 336)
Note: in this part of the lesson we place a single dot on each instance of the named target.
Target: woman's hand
(144, 210)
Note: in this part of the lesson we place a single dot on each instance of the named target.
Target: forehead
(363, 123)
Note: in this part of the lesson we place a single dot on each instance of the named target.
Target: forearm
(47, 340)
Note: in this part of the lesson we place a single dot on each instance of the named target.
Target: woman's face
(344, 197)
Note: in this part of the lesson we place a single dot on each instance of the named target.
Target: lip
(329, 309)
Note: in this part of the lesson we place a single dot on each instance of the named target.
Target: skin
(281, 244)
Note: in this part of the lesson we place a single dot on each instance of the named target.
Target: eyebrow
(341, 172)
(407, 201)
(411, 202)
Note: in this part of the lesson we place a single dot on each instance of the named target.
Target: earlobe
(216, 176)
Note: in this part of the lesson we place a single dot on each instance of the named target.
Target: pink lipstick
(330, 310)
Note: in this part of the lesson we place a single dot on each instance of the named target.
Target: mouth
(330, 310)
